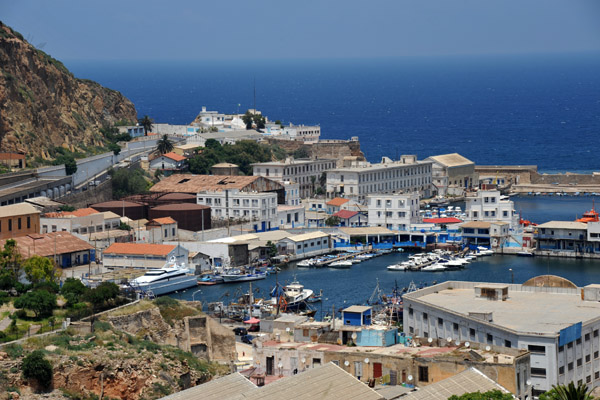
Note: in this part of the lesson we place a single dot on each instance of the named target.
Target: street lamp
(194, 294)
(512, 275)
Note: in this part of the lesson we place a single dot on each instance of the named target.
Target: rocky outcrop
(42, 105)
(148, 325)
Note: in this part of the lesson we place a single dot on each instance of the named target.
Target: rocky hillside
(42, 105)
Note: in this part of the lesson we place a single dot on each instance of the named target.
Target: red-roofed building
(351, 218)
(169, 163)
(158, 230)
(63, 247)
(336, 204)
(442, 221)
(142, 255)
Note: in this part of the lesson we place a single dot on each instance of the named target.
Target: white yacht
(397, 267)
(170, 278)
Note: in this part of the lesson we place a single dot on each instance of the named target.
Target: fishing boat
(170, 278)
(238, 275)
(291, 297)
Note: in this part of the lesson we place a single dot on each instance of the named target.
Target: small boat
(236, 275)
(208, 280)
(434, 268)
(397, 267)
(340, 264)
(309, 262)
(525, 253)
(484, 251)
(315, 298)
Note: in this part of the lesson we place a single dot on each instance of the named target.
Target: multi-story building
(566, 236)
(19, 220)
(358, 179)
(157, 230)
(488, 205)
(393, 211)
(484, 233)
(290, 216)
(551, 317)
(292, 193)
(452, 174)
(305, 133)
(308, 173)
(82, 221)
(259, 209)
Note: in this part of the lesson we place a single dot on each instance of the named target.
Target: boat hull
(169, 286)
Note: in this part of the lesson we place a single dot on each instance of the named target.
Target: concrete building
(82, 221)
(169, 163)
(351, 218)
(488, 234)
(336, 204)
(13, 159)
(290, 216)
(19, 220)
(452, 174)
(292, 193)
(62, 247)
(142, 255)
(305, 244)
(307, 173)
(210, 118)
(556, 321)
(305, 133)
(316, 205)
(358, 179)
(158, 230)
(487, 205)
(565, 236)
(393, 211)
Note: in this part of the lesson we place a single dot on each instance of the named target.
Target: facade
(305, 133)
(191, 217)
(317, 205)
(336, 204)
(83, 221)
(360, 179)
(452, 174)
(393, 211)
(489, 234)
(292, 193)
(290, 216)
(305, 244)
(559, 325)
(210, 118)
(158, 230)
(19, 220)
(566, 236)
(307, 173)
(13, 159)
(259, 209)
(142, 255)
(351, 218)
(487, 205)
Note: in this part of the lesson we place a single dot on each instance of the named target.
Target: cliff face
(42, 105)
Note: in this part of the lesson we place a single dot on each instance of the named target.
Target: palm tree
(146, 122)
(164, 145)
(568, 392)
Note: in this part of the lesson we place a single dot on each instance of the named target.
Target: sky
(307, 29)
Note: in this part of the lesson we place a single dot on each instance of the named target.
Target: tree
(40, 302)
(302, 152)
(115, 148)
(37, 367)
(70, 166)
(313, 180)
(126, 182)
(568, 392)
(251, 119)
(41, 269)
(10, 259)
(73, 290)
(99, 296)
(147, 123)
(332, 221)
(271, 249)
(489, 395)
(164, 145)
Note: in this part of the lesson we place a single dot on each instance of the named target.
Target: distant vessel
(170, 278)
(589, 216)
(237, 275)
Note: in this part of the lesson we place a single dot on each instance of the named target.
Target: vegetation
(252, 120)
(147, 123)
(302, 152)
(126, 182)
(272, 249)
(489, 395)
(66, 207)
(172, 310)
(568, 392)
(73, 290)
(41, 302)
(332, 221)
(41, 269)
(242, 153)
(37, 367)
(164, 145)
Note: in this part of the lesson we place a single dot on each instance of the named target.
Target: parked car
(247, 339)
(240, 331)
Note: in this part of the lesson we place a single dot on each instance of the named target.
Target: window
(490, 338)
(507, 343)
(455, 327)
(579, 362)
(578, 341)
(596, 333)
(541, 372)
(423, 374)
(28, 222)
(588, 358)
(411, 330)
(570, 345)
(537, 349)
(472, 333)
(596, 355)
(173, 231)
(597, 375)
(10, 225)
(561, 348)
(570, 366)
(561, 370)
(587, 337)
(588, 379)
(19, 223)
(424, 316)
(410, 311)
(440, 322)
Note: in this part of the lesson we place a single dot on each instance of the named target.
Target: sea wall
(337, 149)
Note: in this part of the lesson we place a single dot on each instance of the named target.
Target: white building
(453, 174)
(305, 133)
(82, 221)
(487, 205)
(290, 216)
(292, 193)
(305, 172)
(158, 230)
(359, 179)
(210, 118)
(259, 209)
(142, 255)
(306, 244)
(559, 324)
(169, 162)
(393, 211)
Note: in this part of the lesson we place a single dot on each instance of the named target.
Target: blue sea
(542, 110)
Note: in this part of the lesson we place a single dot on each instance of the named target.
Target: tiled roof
(48, 244)
(82, 212)
(174, 156)
(338, 201)
(164, 221)
(196, 183)
(442, 220)
(345, 214)
(140, 248)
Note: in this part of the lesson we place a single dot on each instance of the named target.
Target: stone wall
(94, 194)
(337, 149)
(210, 340)
(565, 179)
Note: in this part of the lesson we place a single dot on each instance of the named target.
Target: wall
(337, 149)
(94, 194)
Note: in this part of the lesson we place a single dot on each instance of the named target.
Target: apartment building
(18, 220)
(393, 211)
(490, 206)
(358, 179)
(551, 317)
(307, 173)
(82, 221)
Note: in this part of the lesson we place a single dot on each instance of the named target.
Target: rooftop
(308, 236)
(476, 224)
(216, 389)
(163, 221)
(449, 220)
(49, 244)
(563, 225)
(17, 209)
(528, 310)
(358, 309)
(338, 201)
(379, 166)
(345, 214)
(367, 230)
(451, 160)
(140, 248)
(292, 161)
(197, 183)
(174, 156)
(82, 212)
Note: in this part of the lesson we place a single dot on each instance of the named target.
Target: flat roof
(528, 310)
(284, 163)
(359, 309)
(451, 160)
(18, 209)
(140, 248)
(308, 236)
(367, 230)
(476, 224)
(379, 166)
(563, 225)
